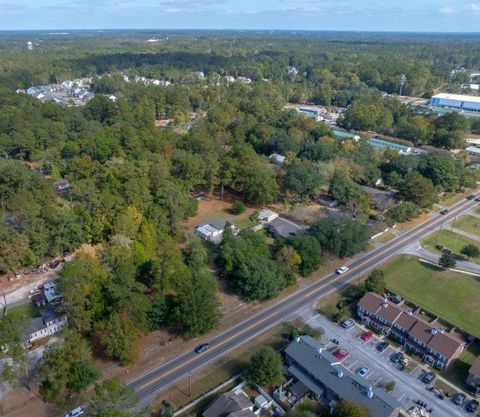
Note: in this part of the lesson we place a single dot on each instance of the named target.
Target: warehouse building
(456, 101)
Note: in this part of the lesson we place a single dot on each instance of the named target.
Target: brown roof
(39, 298)
(445, 344)
(407, 321)
(475, 368)
(375, 304)
(422, 331)
(370, 302)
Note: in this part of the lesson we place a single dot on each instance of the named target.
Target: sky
(354, 15)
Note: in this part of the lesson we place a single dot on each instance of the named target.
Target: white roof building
(266, 216)
(473, 150)
(456, 101)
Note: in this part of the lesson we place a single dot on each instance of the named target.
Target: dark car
(459, 398)
(443, 212)
(472, 406)
(201, 348)
(396, 357)
(382, 346)
(428, 377)
(471, 197)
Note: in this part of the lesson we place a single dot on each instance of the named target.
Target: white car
(75, 413)
(342, 269)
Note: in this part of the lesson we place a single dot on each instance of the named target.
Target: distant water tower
(29, 45)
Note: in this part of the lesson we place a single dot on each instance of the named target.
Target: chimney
(297, 339)
(434, 330)
(370, 392)
(340, 372)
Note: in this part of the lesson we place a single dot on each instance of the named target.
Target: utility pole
(190, 384)
(403, 79)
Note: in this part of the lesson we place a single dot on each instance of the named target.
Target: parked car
(348, 323)
(74, 413)
(428, 377)
(362, 371)
(404, 361)
(396, 357)
(382, 346)
(471, 197)
(202, 348)
(367, 335)
(340, 354)
(459, 398)
(472, 406)
(342, 269)
(444, 212)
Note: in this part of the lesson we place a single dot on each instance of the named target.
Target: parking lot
(381, 370)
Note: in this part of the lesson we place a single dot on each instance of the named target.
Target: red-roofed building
(435, 346)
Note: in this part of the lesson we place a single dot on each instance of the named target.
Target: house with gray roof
(213, 229)
(318, 372)
(230, 404)
(285, 228)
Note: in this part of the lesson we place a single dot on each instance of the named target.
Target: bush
(447, 260)
(390, 386)
(238, 207)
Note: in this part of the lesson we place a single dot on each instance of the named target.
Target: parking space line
(351, 365)
(401, 397)
(378, 380)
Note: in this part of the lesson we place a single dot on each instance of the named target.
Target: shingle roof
(314, 367)
(230, 404)
(475, 368)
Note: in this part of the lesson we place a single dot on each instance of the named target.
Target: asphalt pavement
(163, 376)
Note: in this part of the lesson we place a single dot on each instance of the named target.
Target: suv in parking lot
(396, 357)
(472, 406)
(348, 323)
(459, 398)
(382, 346)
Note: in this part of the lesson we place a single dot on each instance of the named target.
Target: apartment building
(431, 343)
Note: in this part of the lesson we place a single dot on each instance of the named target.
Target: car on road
(477, 199)
(367, 335)
(382, 346)
(396, 357)
(342, 269)
(443, 212)
(202, 348)
(459, 398)
(428, 377)
(348, 323)
(340, 354)
(471, 197)
(362, 371)
(74, 413)
(472, 406)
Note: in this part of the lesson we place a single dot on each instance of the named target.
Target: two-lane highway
(166, 374)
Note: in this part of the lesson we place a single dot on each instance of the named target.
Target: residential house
(277, 159)
(436, 347)
(285, 228)
(473, 379)
(315, 371)
(213, 229)
(326, 200)
(61, 185)
(267, 216)
(381, 200)
(230, 404)
(39, 299)
(50, 322)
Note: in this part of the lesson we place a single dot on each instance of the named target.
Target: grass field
(450, 295)
(469, 224)
(448, 239)
(29, 310)
(457, 373)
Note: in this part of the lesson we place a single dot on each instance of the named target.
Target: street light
(403, 79)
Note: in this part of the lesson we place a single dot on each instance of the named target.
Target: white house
(49, 322)
(277, 159)
(213, 229)
(266, 216)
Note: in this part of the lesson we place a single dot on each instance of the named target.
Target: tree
(375, 282)
(470, 251)
(347, 193)
(266, 367)
(349, 409)
(112, 398)
(447, 260)
(238, 207)
(120, 337)
(341, 236)
(310, 252)
(418, 189)
(404, 211)
(304, 180)
(66, 368)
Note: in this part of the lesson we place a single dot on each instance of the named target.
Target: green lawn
(467, 223)
(448, 239)
(30, 310)
(450, 295)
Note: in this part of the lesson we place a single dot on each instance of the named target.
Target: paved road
(168, 373)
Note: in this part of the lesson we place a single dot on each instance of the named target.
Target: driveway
(408, 387)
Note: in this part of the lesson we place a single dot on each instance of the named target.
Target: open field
(448, 239)
(29, 310)
(450, 295)
(467, 223)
